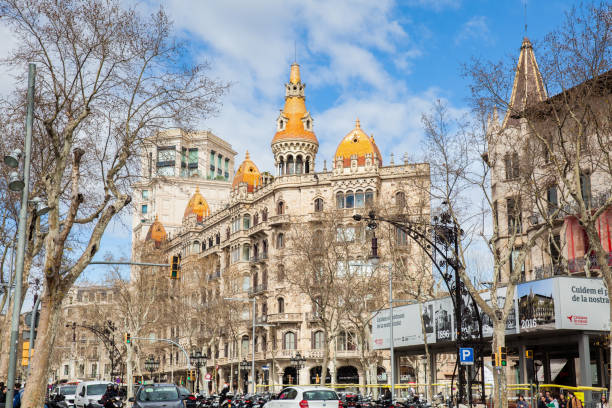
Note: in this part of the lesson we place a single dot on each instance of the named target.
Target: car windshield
(96, 389)
(168, 393)
(320, 395)
(68, 390)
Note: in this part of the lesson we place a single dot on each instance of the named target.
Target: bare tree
(107, 79)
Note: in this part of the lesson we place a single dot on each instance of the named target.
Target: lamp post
(151, 365)
(16, 185)
(244, 365)
(298, 362)
(199, 360)
(439, 241)
(252, 334)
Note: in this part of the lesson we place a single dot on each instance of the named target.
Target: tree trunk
(499, 378)
(325, 361)
(50, 315)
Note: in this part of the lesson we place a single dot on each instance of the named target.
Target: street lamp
(21, 234)
(151, 365)
(252, 334)
(244, 365)
(298, 362)
(199, 360)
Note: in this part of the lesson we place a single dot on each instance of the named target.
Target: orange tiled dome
(156, 232)
(197, 205)
(247, 173)
(358, 143)
(295, 112)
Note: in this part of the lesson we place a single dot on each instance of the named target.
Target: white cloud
(437, 5)
(475, 28)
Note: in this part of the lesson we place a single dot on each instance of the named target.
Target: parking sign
(466, 356)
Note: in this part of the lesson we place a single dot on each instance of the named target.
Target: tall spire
(528, 87)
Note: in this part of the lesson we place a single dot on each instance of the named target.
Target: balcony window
(318, 340)
(289, 341)
(246, 283)
(339, 200)
(145, 194)
(244, 345)
(400, 199)
(281, 305)
(551, 198)
(369, 197)
(359, 199)
(280, 241)
(246, 250)
(166, 160)
(349, 200)
(318, 205)
(511, 162)
(264, 215)
(515, 219)
(246, 221)
(144, 208)
(585, 189)
(280, 208)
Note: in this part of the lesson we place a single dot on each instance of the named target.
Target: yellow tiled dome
(247, 173)
(358, 143)
(156, 232)
(295, 111)
(197, 205)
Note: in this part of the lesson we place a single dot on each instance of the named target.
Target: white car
(305, 397)
(88, 394)
(68, 391)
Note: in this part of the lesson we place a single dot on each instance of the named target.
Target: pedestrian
(573, 401)
(552, 403)
(562, 401)
(604, 401)
(521, 402)
(2, 393)
(17, 397)
(541, 401)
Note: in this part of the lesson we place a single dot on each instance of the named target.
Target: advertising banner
(583, 304)
(536, 305)
(443, 315)
(487, 324)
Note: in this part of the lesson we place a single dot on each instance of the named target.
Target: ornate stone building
(234, 240)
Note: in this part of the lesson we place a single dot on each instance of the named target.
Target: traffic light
(175, 267)
(127, 338)
(502, 357)
(495, 359)
(137, 379)
(24, 353)
(529, 365)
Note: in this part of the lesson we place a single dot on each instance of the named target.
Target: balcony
(347, 353)
(215, 275)
(285, 318)
(547, 271)
(259, 258)
(577, 265)
(287, 353)
(258, 320)
(312, 317)
(258, 229)
(318, 354)
(258, 289)
(278, 220)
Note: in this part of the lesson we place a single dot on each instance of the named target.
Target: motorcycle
(57, 401)
(114, 402)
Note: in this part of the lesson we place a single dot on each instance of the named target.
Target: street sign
(265, 368)
(466, 356)
(207, 377)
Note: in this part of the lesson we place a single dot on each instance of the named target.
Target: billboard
(549, 304)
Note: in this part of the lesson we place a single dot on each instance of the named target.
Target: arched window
(227, 233)
(359, 199)
(307, 165)
(280, 240)
(369, 197)
(210, 242)
(339, 200)
(195, 247)
(289, 342)
(349, 200)
(281, 305)
(281, 167)
(280, 208)
(318, 205)
(244, 345)
(345, 341)
(264, 215)
(298, 165)
(317, 340)
(290, 165)
(246, 221)
(203, 245)
(255, 219)
(400, 199)
(218, 238)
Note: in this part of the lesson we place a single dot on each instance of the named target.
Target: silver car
(157, 396)
(305, 397)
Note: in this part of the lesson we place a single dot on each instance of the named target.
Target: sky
(385, 62)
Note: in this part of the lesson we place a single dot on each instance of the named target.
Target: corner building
(233, 241)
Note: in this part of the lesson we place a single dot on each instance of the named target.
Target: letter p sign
(466, 356)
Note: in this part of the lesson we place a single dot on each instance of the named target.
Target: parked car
(157, 395)
(88, 394)
(305, 397)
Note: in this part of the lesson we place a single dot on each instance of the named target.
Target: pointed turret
(528, 87)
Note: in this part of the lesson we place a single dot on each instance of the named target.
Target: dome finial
(247, 156)
(357, 124)
(294, 77)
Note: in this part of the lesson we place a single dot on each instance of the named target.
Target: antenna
(525, 15)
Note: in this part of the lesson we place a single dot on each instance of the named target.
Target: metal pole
(32, 326)
(253, 346)
(391, 345)
(21, 237)
(458, 315)
(127, 263)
